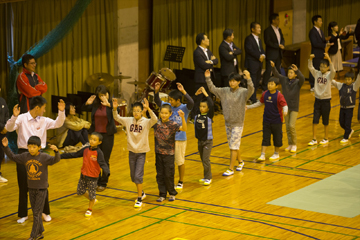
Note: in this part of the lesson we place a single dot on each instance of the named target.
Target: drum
(155, 78)
(122, 107)
(169, 76)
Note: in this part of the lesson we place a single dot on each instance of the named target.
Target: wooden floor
(232, 207)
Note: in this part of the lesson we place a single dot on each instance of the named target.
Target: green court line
(336, 164)
(261, 220)
(160, 220)
(329, 153)
(299, 170)
(219, 229)
(95, 230)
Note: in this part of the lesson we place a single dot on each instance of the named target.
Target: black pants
(274, 129)
(204, 148)
(345, 118)
(255, 74)
(2, 155)
(106, 147)
(73, 137)
(316, 64)
(165, 172)
(23, 190)
(268, 70)
(37, 201)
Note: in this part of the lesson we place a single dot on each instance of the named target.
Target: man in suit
(254, 56)
(203, 60)
(228, 56)
(274, 41)
(318, 44)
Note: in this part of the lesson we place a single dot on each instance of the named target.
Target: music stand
(75, 100)
(54, 102)
(174, 54)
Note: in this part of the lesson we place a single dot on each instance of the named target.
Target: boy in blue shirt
(180, 137)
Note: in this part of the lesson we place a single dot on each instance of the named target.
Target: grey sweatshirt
(291, 88)
(137, 131)
(322, 85)
(233, 102)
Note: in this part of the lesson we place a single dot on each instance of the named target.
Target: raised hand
(272, 63)
(326, 56)
(104, 101)
(90, 100)
(61, 105)
(207, 73)
(180, 87)
(199, 91)
(294, 67)
(54, 148)
(247, 74)
(16, 110)
(115, 103)
(181, 113)
(312, 56)
(145, 104)
(5, 142)
(157, 87)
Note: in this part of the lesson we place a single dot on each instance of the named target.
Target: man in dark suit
(228, 56)
(318, 44)
(254, 57)
(203, 60)
(274, 41)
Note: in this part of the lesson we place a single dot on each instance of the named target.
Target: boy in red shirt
(93, 160)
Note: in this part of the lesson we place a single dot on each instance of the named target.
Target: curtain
(89, 48)
(344, 12)
(4, 70)
(177, 22)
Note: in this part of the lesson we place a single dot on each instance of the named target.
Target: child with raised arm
(233, 102)
(291, 86)
(347, 92)
(181, 140)
(93, 162)
(164, 132)
(204, 113)
(137, 133)
(275, 105)
(36, 164)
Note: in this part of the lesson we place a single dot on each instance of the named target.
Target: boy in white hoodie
(322, 89)
(137, 131)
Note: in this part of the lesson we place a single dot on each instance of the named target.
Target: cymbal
(122, 77)
(136, 83)
(97, 79)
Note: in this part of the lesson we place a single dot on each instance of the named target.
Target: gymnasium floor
(235, 207)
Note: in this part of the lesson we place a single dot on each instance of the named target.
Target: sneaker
(344, 141)
(100, 188)
(160, 199)
(311, 89)
(22, 220)
(3, 180)
(228, 172)
(240, 166)
(324, 141)
(207, 182)
(202, 180)
(137, 204)
(293, 149)
(172, 198)
(262, 157)
(46, 218)
(143, 196)
(352, 131)
(275, 156)
(179, 186)
(288, 149)
(313, 142)
(88, 213)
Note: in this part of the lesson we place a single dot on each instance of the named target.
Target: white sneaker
(311, 89)
(207, 182)
(275, 156)
(22, 220)
(3, 180)
(324, 141)
(240, 166)
(46, 218)
(293, 149)
(88, 213)
(143, 196)
(137, 204)
(288, 148)
(202, 180)
(262, 157)
(171, 198)
(352, 131)
(228, 172)
(179, 186)
(313, 142)
(344, 141)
